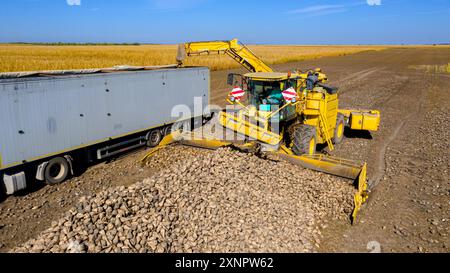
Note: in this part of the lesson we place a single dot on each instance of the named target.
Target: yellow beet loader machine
(286, 114)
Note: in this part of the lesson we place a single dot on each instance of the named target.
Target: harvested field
(39, 57)
(208, 203)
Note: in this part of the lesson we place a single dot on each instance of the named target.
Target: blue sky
(252, 21)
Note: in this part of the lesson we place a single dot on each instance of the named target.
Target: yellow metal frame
(233, 48)
(246, 128)
(320, 110)
(368, 119)
(241, 54)
(241, 123)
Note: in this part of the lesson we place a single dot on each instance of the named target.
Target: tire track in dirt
(381, 170)
(358, 76)
(381, 155)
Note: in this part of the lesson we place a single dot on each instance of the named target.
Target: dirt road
(408, 158)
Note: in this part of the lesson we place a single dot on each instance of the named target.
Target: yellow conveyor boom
(233, 48)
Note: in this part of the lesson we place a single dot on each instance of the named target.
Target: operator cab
(267, 88)
(264, 91)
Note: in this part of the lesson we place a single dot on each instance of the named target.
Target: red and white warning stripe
(237, 93)
(289, 94)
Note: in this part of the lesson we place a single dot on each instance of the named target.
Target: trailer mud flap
(14, 183)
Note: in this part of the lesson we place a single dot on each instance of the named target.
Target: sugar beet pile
(213, 201)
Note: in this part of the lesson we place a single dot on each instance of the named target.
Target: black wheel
(166, 131)
(304, 140)
(56, 171)
(339, 130)
(154, 138)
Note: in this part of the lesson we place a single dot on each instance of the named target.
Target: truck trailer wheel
(305, 140)
(339, 131)
(154, 138)
(56, 171)
(167, 130)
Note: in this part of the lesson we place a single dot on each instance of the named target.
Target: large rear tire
(339, 130)
(304, 140)
(56, 171)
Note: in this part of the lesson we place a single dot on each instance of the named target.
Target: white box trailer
(49, 122)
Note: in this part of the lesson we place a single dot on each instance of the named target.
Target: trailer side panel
(43, 116)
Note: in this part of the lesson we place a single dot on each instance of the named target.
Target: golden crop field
(46, 57)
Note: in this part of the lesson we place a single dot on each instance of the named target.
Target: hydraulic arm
(233, 48)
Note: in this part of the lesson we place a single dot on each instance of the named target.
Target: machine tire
(56, 171)
(304, 140)
(154, 137)
(339, 130)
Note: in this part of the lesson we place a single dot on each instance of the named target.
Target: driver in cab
(273, 95)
